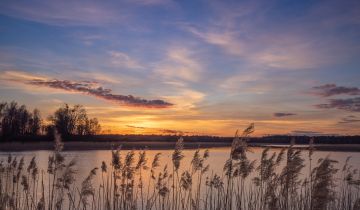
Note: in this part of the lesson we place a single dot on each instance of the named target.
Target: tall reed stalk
(278, 180)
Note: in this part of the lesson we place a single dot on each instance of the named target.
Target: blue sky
(213, 66)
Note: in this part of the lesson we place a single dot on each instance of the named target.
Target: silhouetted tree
(22, 119)
(35, 122)
(18, 121)
(2, 109)
(10, 121)
(64, 120)
(73, 121)
(94, 127)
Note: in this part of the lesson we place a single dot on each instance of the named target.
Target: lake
(87, 160)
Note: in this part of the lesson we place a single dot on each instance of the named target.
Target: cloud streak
(283, 114)
(85, 87)
(349, 119)
(328, 90)
(91, 88)
(350, 104)
(164, 131)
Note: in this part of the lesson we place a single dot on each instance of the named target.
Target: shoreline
(159, 145)
(108, 145)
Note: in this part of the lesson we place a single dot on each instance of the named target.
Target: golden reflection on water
(87, 160)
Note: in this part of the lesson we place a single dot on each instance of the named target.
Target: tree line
(16, 120)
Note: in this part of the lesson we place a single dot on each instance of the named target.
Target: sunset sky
(197, 67)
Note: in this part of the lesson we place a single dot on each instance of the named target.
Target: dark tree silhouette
(18, 121)
(35, 122)
(73, 121)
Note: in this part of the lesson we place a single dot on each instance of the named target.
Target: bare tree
(74, 121)
(35, 122)
(18, 121)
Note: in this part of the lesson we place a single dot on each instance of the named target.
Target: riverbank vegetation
(132, 181)
(17, 121)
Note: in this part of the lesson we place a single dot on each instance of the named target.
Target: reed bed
(132, 181)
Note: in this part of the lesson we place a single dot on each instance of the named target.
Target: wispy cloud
(99, 76)
(179, 71)
(19, 76)
(123, 60)
(292, 56)
(350, 104)
(185, 98)
(226, 40)
(250, 32)
(283, 114)
(63, 13)
(89, 40)
(152, 2)
(179, 64)
(78, 13)
(332, 90)
(282, 51)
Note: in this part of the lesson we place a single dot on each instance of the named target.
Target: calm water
(87, 160)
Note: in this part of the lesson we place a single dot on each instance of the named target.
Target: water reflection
(88, 160)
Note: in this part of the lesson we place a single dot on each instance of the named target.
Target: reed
(132, 181)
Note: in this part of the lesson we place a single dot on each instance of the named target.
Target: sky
(191, 67)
